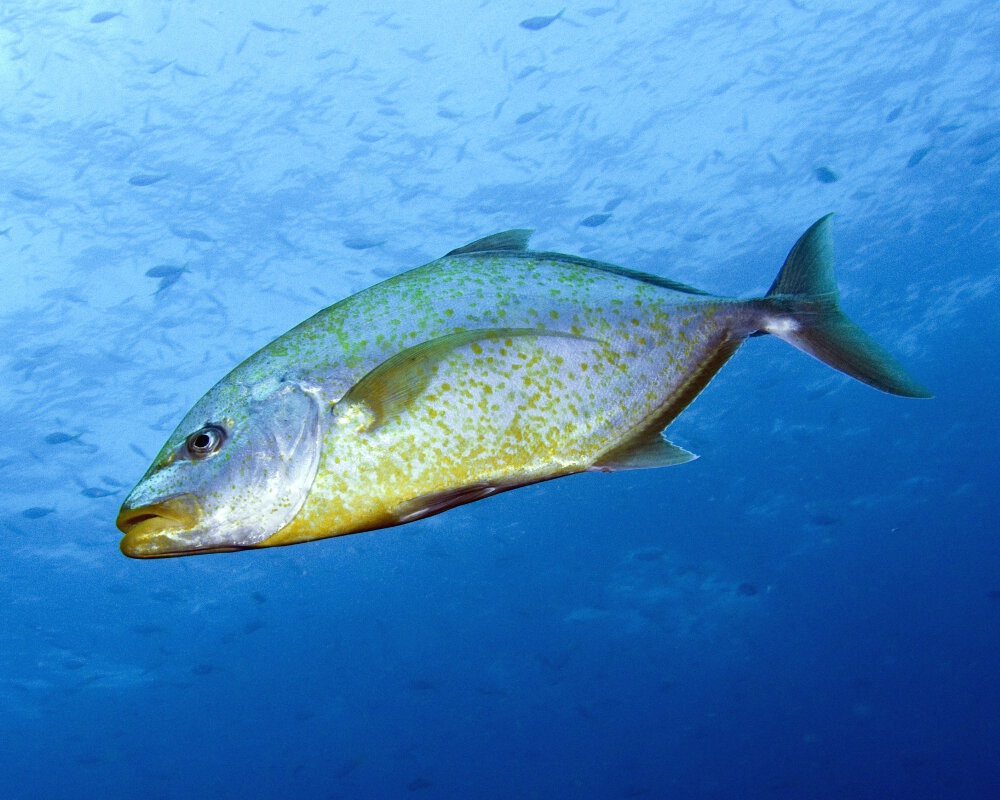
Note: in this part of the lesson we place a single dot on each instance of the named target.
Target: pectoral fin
(390, 388)
(430, 504)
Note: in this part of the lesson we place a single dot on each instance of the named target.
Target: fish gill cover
(810, 609)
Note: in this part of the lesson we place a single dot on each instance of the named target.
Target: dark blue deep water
(810, 610)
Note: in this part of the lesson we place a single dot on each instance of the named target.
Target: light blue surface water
(810, 610)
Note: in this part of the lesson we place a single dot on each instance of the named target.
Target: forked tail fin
(801, 307)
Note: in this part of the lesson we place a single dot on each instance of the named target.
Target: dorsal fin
(513, 240)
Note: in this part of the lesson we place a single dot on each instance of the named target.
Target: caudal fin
(801, 307)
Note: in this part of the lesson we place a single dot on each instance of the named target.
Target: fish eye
(205, 441)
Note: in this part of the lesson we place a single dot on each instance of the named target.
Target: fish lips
(151, 530)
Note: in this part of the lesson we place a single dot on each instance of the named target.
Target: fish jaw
(159, 529)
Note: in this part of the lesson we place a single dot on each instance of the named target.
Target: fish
(37, 512)
(193, 234)
(146, 179)
(537, 23)
(490, 368)
(61, 437)
(594, 220)
(826, 175)
(917, 156)
(104, 16)
(362, 242)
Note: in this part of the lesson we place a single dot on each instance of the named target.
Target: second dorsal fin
(513, 240)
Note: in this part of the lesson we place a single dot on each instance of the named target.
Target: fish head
(237, 469)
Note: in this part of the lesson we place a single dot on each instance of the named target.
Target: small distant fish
(146, 179)
(97, 491)
(193, 234)
(826, 175)
(104, 16)
(164, 271)
(917, 157)
(611, 205)
(894, 114)
(594, 220)
(36, 512)
(993, 594)
(59, 437)
(362, 242)
(263, 26)
(159, 67)
(28, 195)
(253, 626)
(537, 23)
(166, 283)
(5, 232)
(193, 73)
(203, 669)
(746, 590)
(528, 116)
(421, 783)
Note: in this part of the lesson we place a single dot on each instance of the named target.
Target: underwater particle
(917, 156)
(104, 16)
(419, 783)
(60, 437)
(994, 594)
(746, 589)
(36, 512)
(537, 23)
(97, 491)
(362, 242)
(146, 179)
(594, 220)
(826, 175)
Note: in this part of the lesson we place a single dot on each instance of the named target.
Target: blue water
(810, 610)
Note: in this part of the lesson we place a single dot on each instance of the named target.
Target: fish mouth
(151, 530)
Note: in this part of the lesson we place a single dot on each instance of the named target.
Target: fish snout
(151, 530)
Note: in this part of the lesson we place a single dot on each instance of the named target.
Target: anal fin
(645, 452)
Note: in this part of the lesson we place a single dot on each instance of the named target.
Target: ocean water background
(811, 609)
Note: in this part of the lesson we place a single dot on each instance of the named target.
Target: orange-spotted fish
(490, 368)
